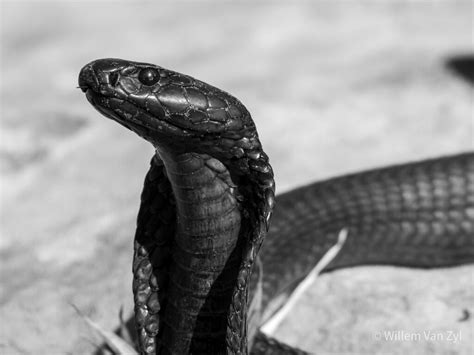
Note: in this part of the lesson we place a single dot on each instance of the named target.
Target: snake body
(208, 198)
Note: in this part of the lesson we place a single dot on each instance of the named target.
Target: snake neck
(201, 223)
(206, 253)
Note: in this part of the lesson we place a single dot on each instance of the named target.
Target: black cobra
(207, 201)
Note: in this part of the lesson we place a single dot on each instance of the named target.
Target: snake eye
(148, 76)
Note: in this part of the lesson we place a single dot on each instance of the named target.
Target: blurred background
(334, 87)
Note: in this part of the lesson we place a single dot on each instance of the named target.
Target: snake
(208, 203)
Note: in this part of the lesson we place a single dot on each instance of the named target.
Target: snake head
(178, 113)
(168, 109)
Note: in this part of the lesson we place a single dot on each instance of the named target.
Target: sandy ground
(334, 87)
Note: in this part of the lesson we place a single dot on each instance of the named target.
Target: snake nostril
(113, 78)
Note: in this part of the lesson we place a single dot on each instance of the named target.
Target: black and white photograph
(237, 177)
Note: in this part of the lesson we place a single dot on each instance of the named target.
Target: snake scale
(208, 199)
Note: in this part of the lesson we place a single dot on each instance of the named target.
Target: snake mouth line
(116, 109)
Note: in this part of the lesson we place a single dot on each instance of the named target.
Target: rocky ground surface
(334, 87)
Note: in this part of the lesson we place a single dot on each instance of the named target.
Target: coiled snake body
(207, 202)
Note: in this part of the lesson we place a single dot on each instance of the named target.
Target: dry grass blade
(272, 324)
(118, 345)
